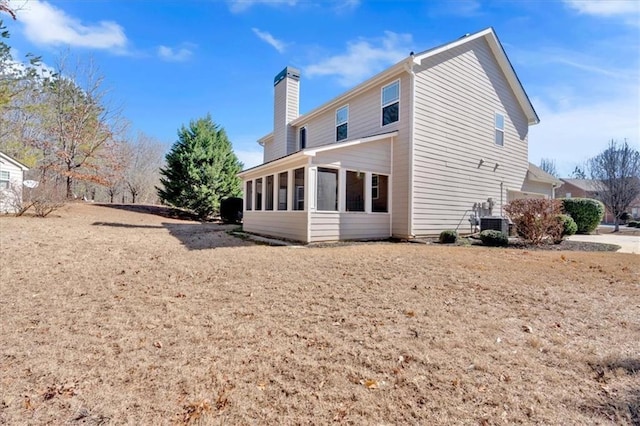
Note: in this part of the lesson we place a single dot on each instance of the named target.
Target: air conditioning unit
(495, 223)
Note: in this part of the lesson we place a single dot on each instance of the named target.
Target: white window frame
(346, 122)
(389, 194)
(339, 190)
(384, 105)
(375, 186)
(498, 129)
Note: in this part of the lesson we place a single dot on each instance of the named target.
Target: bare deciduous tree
(616, 174)
(146, 157)
(80, 125)
(4, 7)
(549, 166)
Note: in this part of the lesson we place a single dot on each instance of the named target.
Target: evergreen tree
(201, 169)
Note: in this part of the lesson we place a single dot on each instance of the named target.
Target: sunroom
(327, 193)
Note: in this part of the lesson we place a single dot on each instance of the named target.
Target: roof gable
(5, 157)
(407, 63)
(503, 62)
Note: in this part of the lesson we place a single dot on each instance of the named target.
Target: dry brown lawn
(110, 316)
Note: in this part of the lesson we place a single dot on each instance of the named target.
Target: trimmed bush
(632, 224)
(231, 210)
(569, 226)
(536, 219)
(586, 212)
(448, 237)
(490, 237)
(625, 216)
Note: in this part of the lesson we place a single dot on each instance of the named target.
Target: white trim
(362, 87)
(412, 106)
(338, 192)
(503, 61)
(16, 163)
(492, 41)
(312, 152)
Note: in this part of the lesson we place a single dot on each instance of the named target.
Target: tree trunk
(111, 198)
(69, 184)
(616, 224)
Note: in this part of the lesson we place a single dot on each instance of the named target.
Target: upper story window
(303, 137)
(391, 103)
(499, 129)
(342, 122)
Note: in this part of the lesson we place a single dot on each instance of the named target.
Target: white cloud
(47, 25)
(363, 58)
(574, 134)
(268, 38)
(249, 158)
(238, 6)
(174, 54)
(346, 5)
(604, 7)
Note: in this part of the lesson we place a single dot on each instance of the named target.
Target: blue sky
(167, 62)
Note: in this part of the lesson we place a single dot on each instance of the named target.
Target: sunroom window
(298, 185)
(283, 182)
(249, 195)
(355, 191)
(327, 189)
(379, 193)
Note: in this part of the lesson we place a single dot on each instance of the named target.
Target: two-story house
(409, 152)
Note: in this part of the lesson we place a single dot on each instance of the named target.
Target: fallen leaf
(158, 344)
(527, 329)
(371, 384)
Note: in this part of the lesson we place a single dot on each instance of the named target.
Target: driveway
(628, 243)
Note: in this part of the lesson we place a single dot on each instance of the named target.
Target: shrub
(231, 210)
(625, 216)
(490, 237)
(632, 224)
(448, 237)
(586, 212)
(569, 226)
(536, 219)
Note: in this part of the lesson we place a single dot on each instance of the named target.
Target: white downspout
(412, 96)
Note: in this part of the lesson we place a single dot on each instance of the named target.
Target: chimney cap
(289, 72)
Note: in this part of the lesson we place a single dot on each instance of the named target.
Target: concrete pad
(628, 243)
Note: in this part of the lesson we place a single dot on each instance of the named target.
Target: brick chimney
(286, 109)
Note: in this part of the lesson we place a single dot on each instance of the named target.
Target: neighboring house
(11, 178)
(587, 188)
(537, 184)
(409, 152)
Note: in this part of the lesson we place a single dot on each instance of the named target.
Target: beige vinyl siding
(289, 225)
(372, 156)
(285, 110)
(269, 152)
(331, 226)
(365, 119)
(539, 187)
(457, 94)
(292, 114)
